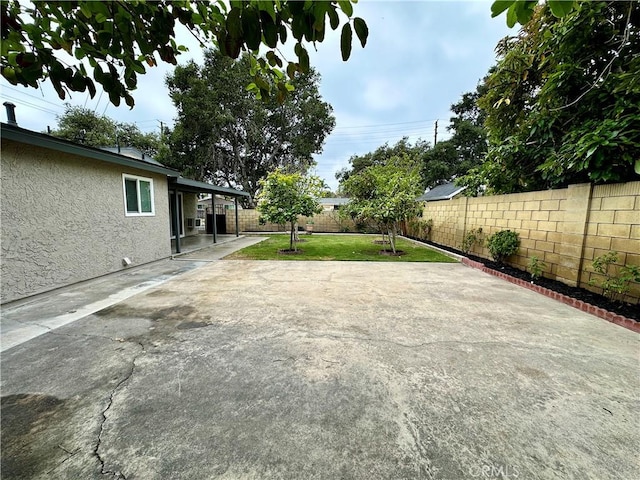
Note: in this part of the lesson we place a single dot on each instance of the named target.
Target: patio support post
(176, 220)
(235, 201)
(215, 226)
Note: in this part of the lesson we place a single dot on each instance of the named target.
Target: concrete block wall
(566, 228)
(613, 224)
(329, 221)
(446, 225)
(249, 221)
(325, 222)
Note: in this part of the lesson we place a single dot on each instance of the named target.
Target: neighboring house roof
(333, 201)
(446, 191)
(186, 185)
(22, 135)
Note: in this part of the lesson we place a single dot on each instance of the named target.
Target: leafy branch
(132, 34)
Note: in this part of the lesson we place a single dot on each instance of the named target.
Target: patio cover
(181, 184)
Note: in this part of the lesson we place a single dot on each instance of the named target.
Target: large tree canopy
(120, 39)
(84, 126)
(562, 103)
(226, 135)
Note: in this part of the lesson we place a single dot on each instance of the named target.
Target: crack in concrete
(103, 469)
(70, 454)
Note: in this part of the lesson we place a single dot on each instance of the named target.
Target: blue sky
(420, 58)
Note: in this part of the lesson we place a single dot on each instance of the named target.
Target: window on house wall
(138, 196)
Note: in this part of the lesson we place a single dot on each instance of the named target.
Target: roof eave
(22, 135)
(194, 186)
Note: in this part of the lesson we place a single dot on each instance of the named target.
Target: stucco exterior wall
(63, 220)
(190, 206)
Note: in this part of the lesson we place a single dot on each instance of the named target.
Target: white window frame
(139, 213)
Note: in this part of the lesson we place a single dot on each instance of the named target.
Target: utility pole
(161, 130)
(435, 135)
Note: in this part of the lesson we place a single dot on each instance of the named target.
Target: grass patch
(338, 247)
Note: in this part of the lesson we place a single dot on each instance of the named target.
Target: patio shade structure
(180, 184)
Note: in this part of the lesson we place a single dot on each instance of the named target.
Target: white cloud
(383, 94)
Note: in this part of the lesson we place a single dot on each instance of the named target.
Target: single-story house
(446, 191)
(72, 212)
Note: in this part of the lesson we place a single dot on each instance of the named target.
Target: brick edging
(572, 302)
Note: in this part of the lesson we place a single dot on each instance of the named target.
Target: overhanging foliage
(121, 39)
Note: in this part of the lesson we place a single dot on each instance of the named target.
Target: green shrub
(420, 228)
(471, 238)
(502, 244)
(615, 283)
(536, 267)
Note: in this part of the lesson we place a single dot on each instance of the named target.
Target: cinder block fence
(325, 222)
(566, 228)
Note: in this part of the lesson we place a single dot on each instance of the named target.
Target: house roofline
(22, 135)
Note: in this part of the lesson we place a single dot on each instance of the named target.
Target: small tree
(285, 196)
(385, 194)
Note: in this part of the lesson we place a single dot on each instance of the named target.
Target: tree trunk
(291, 242)
(392, 238)
(296, 238)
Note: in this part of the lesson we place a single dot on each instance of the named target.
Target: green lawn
(338, 247)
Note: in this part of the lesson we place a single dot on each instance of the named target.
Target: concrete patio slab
(325, 370)
(25, 319)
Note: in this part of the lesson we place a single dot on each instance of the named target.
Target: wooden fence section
(566, 228)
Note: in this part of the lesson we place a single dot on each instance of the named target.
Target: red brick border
(572, 302)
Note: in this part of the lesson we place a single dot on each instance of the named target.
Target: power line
(426, 128)
(372, 141)
(388, 124)
(25, 103)
(32, 96)
(383, 132)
